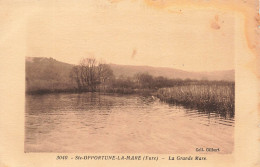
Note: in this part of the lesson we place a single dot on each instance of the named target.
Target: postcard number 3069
(61, 157)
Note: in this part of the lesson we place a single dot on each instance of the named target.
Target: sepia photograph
(139, 83)
(122, 77)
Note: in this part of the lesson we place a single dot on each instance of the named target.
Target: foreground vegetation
(211, 97)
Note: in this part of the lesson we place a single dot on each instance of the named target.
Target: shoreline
(123, 91)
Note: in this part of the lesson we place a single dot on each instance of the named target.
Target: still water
(94, 123)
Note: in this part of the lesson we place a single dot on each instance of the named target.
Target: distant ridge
(129, 70)
(41, 68)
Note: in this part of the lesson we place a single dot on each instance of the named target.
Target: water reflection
(90, 122)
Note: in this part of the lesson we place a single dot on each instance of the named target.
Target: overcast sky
(131, 33)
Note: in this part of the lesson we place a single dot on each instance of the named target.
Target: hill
(228, 75)
(47, 74)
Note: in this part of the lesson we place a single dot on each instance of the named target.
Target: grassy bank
(49, 91)
(218, 98)
(126, 91)
(143, 92)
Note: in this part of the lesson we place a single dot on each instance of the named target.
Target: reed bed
(208, 98)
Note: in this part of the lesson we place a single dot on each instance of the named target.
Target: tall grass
(218, 98)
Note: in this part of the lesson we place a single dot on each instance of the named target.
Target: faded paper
(57, 29)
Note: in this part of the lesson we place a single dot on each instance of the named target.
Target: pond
(112, 123)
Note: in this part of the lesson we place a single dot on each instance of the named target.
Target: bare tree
(89, 74)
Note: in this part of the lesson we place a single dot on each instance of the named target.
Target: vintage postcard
(129, 83)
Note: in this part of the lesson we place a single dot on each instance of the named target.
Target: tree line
(91, 75)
